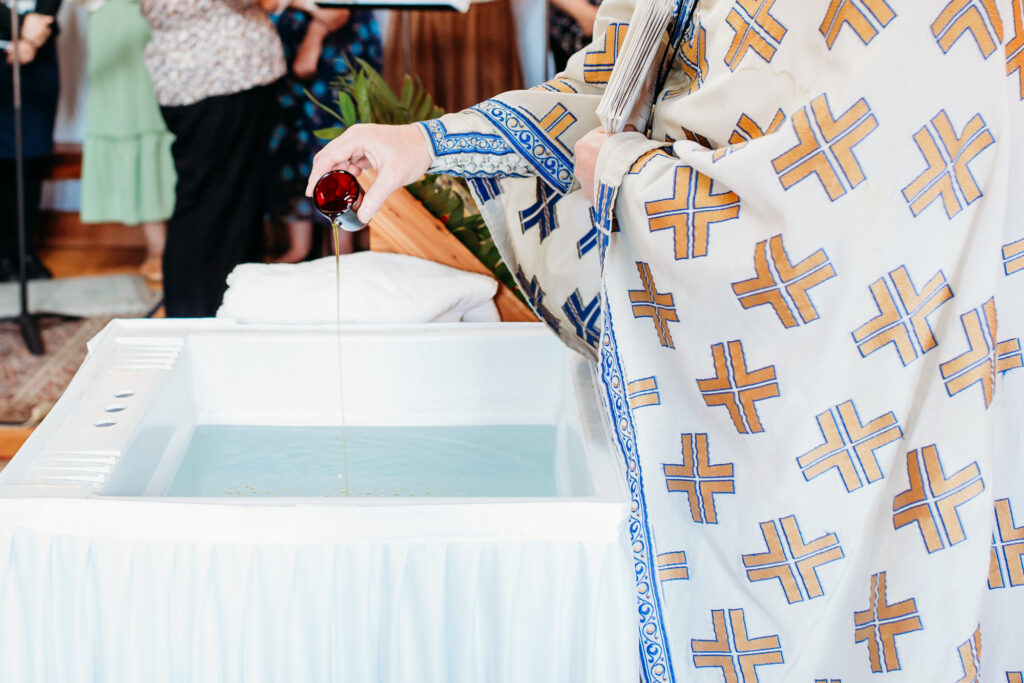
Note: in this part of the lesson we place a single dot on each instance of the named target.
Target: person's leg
(190, 226)
(35, 169)
(8, 223)
(33, 178)
(220, 154)
(300, 241)
(238, 197)
(155, 233)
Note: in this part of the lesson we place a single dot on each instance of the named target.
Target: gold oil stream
(341, 389)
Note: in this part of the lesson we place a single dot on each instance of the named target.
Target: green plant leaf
(408, 89)
(471, 240)
(321, 104)
(424, 110)
(379, 86)
(348, 110)
(362, 97)
(329, 133)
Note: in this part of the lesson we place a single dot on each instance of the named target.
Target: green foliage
(364, 97)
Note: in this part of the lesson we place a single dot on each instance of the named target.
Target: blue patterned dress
(292, 144)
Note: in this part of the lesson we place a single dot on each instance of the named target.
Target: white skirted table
(120, 591)
(111, 574)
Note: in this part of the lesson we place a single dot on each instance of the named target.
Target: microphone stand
(26, 321)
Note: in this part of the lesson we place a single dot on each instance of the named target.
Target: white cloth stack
(375, 288)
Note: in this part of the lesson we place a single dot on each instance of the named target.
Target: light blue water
(489, 460)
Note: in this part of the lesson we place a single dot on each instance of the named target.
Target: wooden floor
(71, 250)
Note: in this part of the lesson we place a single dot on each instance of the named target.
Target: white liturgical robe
(804, 290)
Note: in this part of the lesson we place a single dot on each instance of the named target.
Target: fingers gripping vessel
(336, 194)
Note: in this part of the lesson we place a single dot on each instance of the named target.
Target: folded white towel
(375, 288)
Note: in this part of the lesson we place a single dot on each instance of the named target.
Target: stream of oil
(335, 225)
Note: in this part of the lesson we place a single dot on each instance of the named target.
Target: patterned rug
(30, 385)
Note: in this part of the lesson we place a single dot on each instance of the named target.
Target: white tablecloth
(104, 591)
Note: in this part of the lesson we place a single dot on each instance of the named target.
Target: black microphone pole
(27, 323)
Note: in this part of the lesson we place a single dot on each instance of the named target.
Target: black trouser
(34, 169)
(220, 153)
(39, 88)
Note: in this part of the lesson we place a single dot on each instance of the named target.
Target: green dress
(127, 169)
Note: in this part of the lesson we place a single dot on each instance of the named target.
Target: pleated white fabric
(126, 591)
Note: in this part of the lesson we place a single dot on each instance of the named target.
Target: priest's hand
(587, 149)
(398, 154)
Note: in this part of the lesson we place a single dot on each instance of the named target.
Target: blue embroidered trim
(584, 317)
(445, 143)
(549, 87)
(602, 222)
(535, 294)
(682, 27)
(542, 212)
(604, 217)
(486, 188)
(479, 174)
(589, 240)
(520, 129)
(655, 658)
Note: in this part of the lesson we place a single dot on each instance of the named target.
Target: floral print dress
(292, 144)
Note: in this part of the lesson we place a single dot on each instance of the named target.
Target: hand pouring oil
(336, 194)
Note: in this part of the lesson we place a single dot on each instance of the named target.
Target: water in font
(455, 461)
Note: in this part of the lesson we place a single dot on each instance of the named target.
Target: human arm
(332, 19)
(506, 135)
(307, 56)
(521, 117)
(581, 11)
(34, 28)
(26, 52)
